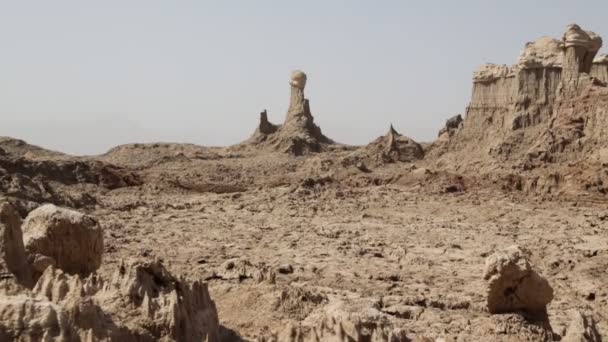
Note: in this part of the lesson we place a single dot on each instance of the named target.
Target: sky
(84, 76)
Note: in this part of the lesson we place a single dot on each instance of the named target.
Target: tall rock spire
(299, 134)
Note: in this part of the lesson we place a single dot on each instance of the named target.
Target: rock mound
(513, 285)
(32, 175)
(73, 241)
(356, 320)
(392, 147)
(299, 134)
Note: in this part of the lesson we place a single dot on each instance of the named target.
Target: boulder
(13, 261)
(512, 284)
(72, 240)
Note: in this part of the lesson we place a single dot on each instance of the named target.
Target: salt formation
(299, 134)
(265, 128)
(357, 320)
(394, 147)
(513, 285)
(548, 107)
(390, 148)
(141, 302)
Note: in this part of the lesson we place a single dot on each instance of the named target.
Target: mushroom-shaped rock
(13, 262)
(513, 285)
(581, 48)
(576, 36)
(299, 134)
(73, 240)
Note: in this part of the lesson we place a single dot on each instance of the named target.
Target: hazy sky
(83, 76)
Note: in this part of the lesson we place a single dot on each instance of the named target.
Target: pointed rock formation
(389, 148)
(299, 134)
(264, 130)
(398, 147)
(142, 302)
(13, 265)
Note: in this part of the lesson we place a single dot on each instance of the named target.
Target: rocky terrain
(495, 231)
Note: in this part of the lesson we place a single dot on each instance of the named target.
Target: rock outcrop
(356, 320)
(390, 148)
(63, 237)
(264, 130)
(548, 108)
(513, 285)
(30, 176)
(13, 262)
(299, 134)
(142, 301)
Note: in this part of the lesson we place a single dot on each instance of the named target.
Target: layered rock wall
(551, 101)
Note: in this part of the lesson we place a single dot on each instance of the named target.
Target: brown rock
(73, 240)
(513, 285)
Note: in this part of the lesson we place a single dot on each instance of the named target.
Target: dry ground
(416, 255)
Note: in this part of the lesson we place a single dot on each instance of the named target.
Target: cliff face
(549, 106)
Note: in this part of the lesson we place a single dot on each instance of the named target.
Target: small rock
(513, 285)
(285, 269)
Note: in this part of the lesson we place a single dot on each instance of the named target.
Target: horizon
(82, 79)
